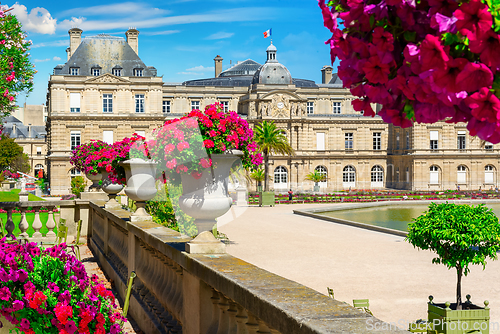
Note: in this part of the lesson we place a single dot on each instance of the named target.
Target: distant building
(104, 91)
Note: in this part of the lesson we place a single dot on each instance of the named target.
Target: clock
(281, 105)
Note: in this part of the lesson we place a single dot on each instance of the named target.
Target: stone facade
(355, 152)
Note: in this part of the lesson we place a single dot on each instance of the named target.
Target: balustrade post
(252, 324)
(214, 325)
(223, 316)
(51, 224)
(37, 223)
(232, 311)
(241, 320)
(263, 329)
(179, 302)
(9, 225)
(23, 224)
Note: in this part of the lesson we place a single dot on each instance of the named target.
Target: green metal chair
(330, 293)
(61, 236)
(129, 292)
(362, 304)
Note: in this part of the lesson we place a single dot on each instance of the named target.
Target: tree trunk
(266, 171)
(459, 287)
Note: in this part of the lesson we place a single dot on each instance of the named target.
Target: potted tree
(461, 235)
(316, 177)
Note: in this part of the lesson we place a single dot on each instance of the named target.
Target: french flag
(267, 33)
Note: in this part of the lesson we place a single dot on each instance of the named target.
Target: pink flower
(473, 77)
(169, 148)
(329, 17)
(363, 106)
(382, 39)
(171, 164)
(447, 77)
(182, 145)
(488, 48)
(485, 105)
(375, 71)
(205, 163)
(432, 53)
(473, 19)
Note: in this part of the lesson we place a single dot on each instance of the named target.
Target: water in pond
(395, 217)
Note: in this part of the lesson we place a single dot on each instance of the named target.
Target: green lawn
(13, 196)
(30, 216)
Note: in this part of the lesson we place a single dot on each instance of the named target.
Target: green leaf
(372, 20)
(450, 38)
(410, 36)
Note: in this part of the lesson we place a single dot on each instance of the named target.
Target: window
(107, 102)
(349, 138)
(320, 141)
(407, 174)
(38, 168)
(461, 140)
(141, 133)
(195, 105)
(377, 175)
(74, 172)
(336, 107)
(139, 102)
(488, 146)
(107, 137)
(489, 172)
(74, 102)
(397, 141)
(461, 174)
(434, 175)
(74, 71)
(310, 108)
(377, 141)
(74, 139)
(117, 72)
(280, 178)
(408, 140)
(38, 151)
(434, 136)
(138, 72)
(322, 170)
(166, 106)
(349, 174)
(96, 72)
(225, 105)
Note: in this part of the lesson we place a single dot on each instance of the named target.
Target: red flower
(382, 39)
(473, 19)
(488, 49)
(432, 53)
(473, 77)
(447, 77)
(485, 105)
(375, 71)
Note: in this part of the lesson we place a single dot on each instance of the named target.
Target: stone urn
(95, 178)
(141, 185)
(206, 198)
(111, 189)
(7, 325)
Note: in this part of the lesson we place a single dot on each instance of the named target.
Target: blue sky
(180, 37)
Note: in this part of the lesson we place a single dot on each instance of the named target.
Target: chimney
(133, 39)
(218, 65)
(326, 72)
(29, 130)
(75, 37)
(68, 52)
(14, 131)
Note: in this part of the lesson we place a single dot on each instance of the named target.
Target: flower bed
(49, 291)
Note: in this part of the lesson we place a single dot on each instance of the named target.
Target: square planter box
(267, 198)
(471, 319)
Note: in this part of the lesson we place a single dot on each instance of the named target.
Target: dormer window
(95, 71)
(74, 71)
(138, 72)
(117, 70)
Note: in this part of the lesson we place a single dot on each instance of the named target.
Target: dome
(271, 48)
(272, 73)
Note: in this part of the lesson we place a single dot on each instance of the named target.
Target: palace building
(104, 91)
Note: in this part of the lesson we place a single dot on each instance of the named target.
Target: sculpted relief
(280, 106)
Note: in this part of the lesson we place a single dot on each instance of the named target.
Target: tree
(460, 235)
(271, 140)
(78, 185)
(315, 176)
(10, 154)
(16, 70)
(258, 175)
(21, 163)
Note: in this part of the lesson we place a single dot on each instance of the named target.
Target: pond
(394, 217)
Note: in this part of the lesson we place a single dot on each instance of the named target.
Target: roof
(336, 81)
(106, 52)
(247, 67)
(234, 81)
(272, 73)
(22, 131)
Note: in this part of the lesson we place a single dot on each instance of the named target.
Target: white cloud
(200, 68)
(165, 32)
(38, 20)
(117, 9)
(56, 58)
(220, 35)
(74, 22)
(62, 42)
(41, 60)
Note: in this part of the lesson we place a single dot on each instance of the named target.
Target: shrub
(78, 185)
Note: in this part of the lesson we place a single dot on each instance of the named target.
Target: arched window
(489, 174)
(74, 172)
(349, 176)
(323, 171)
(39, 168)
(377, 176)
(461, 174)
(280, 177)
(434, 175)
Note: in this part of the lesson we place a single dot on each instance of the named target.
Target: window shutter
(434, 178)
(107, 137)
(488, 177)
(434, 135)
(74, 100)
(320, 141)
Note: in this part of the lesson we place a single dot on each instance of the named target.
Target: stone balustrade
(177, 292)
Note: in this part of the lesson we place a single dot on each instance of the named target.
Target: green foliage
(271, 140)
(258, 175)
(9, 152)
(78, 185)
(164, 208)
(21, 163)
(316, 176)
(460, 235)
(42, 184)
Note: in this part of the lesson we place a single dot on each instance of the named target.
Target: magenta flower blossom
(5, 293)
(473, 19)
(432, 53)
(375, 71)
(484, 105)
(473, 77)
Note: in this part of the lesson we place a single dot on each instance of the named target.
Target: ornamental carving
(107, 78)
(280, 106)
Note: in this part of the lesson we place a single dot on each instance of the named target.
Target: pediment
(292, 95)
(107, 78)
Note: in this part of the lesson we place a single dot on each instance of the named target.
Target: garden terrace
(197, 293)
